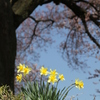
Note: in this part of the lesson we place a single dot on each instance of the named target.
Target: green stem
(57, 83)
(67, 90)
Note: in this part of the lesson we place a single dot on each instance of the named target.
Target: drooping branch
(34, 31)
(32, 36)
(88, 33)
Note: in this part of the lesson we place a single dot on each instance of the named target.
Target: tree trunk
(7, 44)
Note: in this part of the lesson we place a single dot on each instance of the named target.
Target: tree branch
(23, 8)
(88, 33)
(95, 20)
(37, 22)
(41, 20)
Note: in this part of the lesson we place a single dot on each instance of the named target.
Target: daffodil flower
(19, 77)
(76, 82)
(61, 77)
(53, 72)
(52, 79)
(26, 70)
(20, 68)
(43, 71)
(79, 84)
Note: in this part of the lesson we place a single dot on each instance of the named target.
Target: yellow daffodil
(43, 71)
(61, 77)
(79, 84)
(26, 70)
(76, 82)
(19, 77)
(52, 79)
(20, 68)
(53, 72)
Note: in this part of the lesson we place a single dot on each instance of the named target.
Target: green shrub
(7, 94)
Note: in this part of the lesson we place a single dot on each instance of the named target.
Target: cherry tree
(77, 20)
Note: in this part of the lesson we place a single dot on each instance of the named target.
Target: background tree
(81, 19)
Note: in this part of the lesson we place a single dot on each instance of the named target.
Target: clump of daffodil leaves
(46, 90)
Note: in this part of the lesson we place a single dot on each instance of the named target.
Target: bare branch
(46, 20)
(31, 37)
(88, 33)
(87, 3)
(37, 22)
(95, 20)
